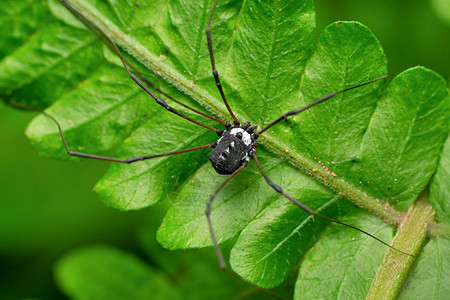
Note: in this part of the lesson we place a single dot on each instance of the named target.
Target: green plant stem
(308, 165)
(304, 163)
(335, 182)
(410, 237)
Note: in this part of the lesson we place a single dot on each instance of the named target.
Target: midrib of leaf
(298, 160)
(406, 141)
(17, 9)
(411, 237)
(236, 22)
(56, 62)
(315, 170)
(198, 41)
(48, 69)
(271, 60)
(102, 113)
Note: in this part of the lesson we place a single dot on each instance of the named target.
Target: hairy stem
(410, 237)
(204, 98)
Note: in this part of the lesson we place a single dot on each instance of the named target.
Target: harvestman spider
(236, 145)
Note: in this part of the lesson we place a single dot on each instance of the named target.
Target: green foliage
(18, 20)
(440, 188)
(106, 272)
(442, 10)
(116, 275)
(403, 141)
(367, 145)
(344, 262)
(429, 276)
(36, 73)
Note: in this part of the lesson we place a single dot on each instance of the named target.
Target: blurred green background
(47, 208)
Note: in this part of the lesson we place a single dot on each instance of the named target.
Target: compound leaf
(95, 117)
(401, 147)
(358, 143)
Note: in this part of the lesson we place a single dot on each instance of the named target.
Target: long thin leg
(138, 82)
(318, 101)
(208, 213)
(111, 47)
(222, 264)
(213, 65)
(126, 160)
(182, 104)
(310, 211)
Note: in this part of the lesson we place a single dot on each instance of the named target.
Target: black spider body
(233, 148)
(231, 153)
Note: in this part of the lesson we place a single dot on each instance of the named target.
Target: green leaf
(344, 261)
(270, 247)
(19, 21)
(429, 276)
(97, 116)
(268, 66)
(195, 271)
(185, 223)
(271, 44)
(139, 185)
(104, 272)
(440, 188)
(401, 147)
(345, 55)
(36, 74)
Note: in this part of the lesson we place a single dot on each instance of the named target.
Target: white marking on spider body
(246, 137)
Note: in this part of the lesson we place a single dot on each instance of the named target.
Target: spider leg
(312, 104)
(181, 103)
(125, 160)
(213, 66)
(208, 214)
(310, 211)
(151, 85)
(137, 80)
(219, 255)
